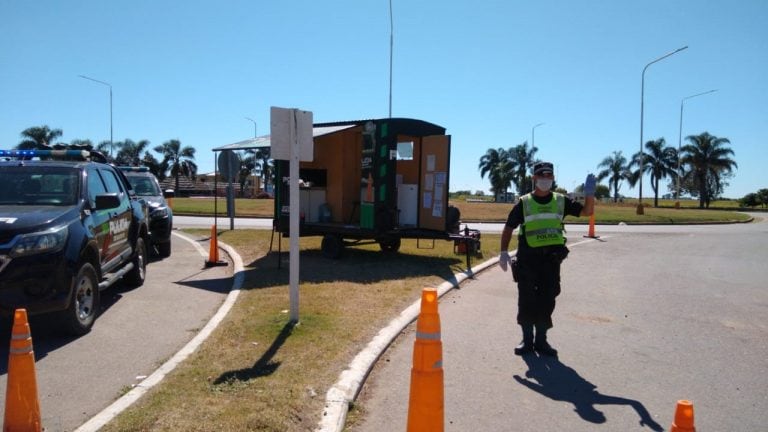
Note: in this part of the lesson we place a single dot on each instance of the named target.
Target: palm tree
(261, 158)
(178, 159)
(660, 161)
(130, 152)
(247, 164)
(523, 160)
(38, 138)
(500, 169)
(707, 162)
(616, 170)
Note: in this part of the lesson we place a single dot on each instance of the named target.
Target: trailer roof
(402, 125)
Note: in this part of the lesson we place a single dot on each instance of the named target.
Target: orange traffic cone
(425, 406)
(213, 252)
(683, 417)
(591, 233)
(22, 409)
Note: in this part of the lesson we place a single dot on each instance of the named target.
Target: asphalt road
(137, 330)
(646, 317)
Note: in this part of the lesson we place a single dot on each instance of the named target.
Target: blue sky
(487, 71)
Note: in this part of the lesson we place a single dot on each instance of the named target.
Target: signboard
(286, 124)
(229, 165)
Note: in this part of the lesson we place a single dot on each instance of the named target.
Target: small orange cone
(591, 233)
(426, 403)
(683, 417)
(22, 409)
(213, 251)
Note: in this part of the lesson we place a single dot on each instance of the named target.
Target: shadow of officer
(551, 378)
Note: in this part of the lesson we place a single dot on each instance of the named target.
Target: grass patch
(721, 211)
(259, 373)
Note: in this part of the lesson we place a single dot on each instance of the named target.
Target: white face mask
(544, 184)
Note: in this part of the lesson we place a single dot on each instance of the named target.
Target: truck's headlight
(158, 212)
(40, 242)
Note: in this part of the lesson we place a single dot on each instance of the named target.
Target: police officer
(541, 249)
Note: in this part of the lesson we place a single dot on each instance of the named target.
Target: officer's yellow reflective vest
(543, 223)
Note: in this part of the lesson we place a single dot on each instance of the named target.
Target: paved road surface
(138, 330)
(645, 319)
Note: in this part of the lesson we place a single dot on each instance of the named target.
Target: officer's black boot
(541, 345)
(526, 346)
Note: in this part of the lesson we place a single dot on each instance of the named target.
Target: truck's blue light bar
(134, 168)
(83, 154)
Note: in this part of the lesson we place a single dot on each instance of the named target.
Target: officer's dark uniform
(537, 272)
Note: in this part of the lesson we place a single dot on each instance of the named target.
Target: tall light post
(642, 103)
(111, 140)
(254, 126)
(680, 143)
(533, 137)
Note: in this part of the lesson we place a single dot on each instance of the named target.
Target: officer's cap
(542, 168)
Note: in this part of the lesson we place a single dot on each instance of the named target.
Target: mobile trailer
(374, 181)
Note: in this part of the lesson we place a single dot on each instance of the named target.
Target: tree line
(175, 160)
(700, 169)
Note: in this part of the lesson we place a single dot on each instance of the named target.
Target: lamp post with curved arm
(533, 129)
(254, 126)
(642, 97)
(111, 141)
(680, 143)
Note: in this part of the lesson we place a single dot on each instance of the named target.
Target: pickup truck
(70, 227)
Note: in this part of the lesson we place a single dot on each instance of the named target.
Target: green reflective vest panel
(543, 223)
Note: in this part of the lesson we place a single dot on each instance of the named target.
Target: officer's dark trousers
(538, 283)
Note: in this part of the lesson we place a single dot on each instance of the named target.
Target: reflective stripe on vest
(543, 223)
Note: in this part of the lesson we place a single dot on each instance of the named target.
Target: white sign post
(291, 136)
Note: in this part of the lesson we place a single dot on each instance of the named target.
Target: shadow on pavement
(551, 378)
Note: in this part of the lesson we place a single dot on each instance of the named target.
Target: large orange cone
(213, 252)
(591, 233)
(683, 417)
(22, 409)
(426, 406)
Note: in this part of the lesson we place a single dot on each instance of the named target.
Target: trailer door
(433, 181)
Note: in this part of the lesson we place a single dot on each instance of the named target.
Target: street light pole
(254, 126)
(533, 137)
(642, 103)
(680, 142)
(111, 139)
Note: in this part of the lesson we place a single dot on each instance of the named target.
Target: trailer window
(405, 150)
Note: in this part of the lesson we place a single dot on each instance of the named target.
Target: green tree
(179, 159)
(616, 170)
(762, 197)
(659, 161)
(750, 200)
(39, 138)
(129, 152)
(247, 164)
(156, 167)
(262, 159)
(523, 160)
(708, 163)
(500, 169)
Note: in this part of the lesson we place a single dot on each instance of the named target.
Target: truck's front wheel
(78, 318)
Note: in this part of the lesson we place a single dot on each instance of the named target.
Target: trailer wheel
(332, 246)
(390, 244)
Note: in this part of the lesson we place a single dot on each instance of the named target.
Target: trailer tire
(390, 244)
(332, 246)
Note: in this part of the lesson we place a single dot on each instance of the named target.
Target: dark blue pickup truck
(70, 227)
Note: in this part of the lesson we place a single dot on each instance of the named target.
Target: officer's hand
(504, 260)
(590, 185)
